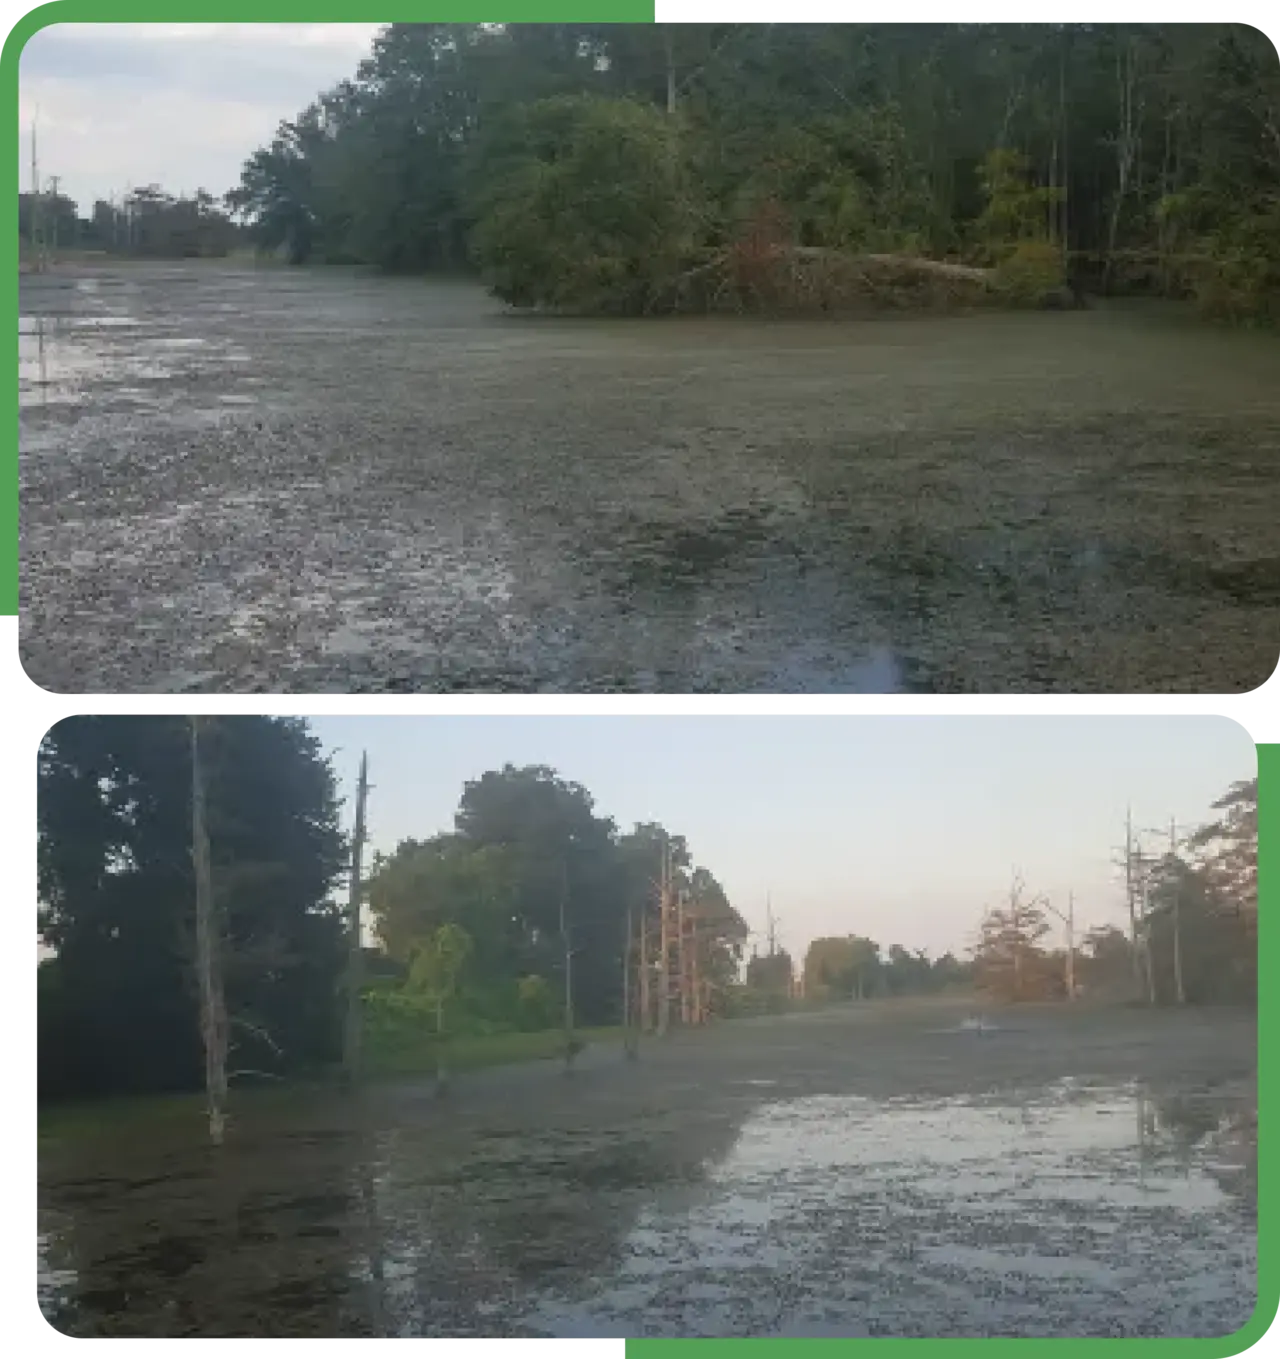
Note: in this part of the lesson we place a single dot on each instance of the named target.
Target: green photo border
(642, 11)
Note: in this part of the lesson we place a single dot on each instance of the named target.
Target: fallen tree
(796, 279)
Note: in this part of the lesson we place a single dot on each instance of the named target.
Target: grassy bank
(403, 1060)
(415, 1054)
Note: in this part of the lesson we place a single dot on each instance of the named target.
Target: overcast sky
(903, 829)
(180, 105)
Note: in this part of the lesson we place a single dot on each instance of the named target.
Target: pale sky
(181, 105)
(902, 829)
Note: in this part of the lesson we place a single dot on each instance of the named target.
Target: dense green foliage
(118, 1010)
(641, 167)
(529, 871)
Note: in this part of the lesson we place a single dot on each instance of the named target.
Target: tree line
(1193, 924)
(629, 168)
(534, 912)
(148, 222)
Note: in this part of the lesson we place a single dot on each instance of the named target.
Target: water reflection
(1075, 1210)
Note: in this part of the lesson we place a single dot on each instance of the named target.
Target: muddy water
(840, 1178)
(240, 480)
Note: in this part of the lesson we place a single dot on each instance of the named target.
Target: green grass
(410, 1055)
(415, 1055)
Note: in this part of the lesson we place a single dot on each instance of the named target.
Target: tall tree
(117, 899)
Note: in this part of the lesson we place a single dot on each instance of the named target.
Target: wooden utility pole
(1175, 886)
(355, 955)
(213, 1006)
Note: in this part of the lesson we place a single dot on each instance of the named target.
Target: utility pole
(1175, 886)
(355, 955)
(770, 925)
(213, 1009)
(37, 206)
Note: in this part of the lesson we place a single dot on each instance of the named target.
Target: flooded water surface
(685, 1195)
(386, 484)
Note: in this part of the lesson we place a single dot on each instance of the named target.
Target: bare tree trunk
(682, 960)
(671, 70)
(646, 1008)
(1130, 894)
(213, 1009)
(664, 946)
(1126, 144)
(355, 956)
(1071, 946)
(1146, 945)
(1179, 993)
(695, 982)
(1065, 205)
(569, 1044)
(628, 1029)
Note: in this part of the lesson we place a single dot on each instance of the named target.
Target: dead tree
(1069, 920)
(355, 956)
(629, 1034)
(213, 1005)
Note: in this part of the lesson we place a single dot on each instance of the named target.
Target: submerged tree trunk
(213, 1008)
(355, 955)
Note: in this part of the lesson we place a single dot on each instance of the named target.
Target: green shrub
(586, 205)
(1032, 274)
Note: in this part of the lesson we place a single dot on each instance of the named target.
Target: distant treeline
(148, 223)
